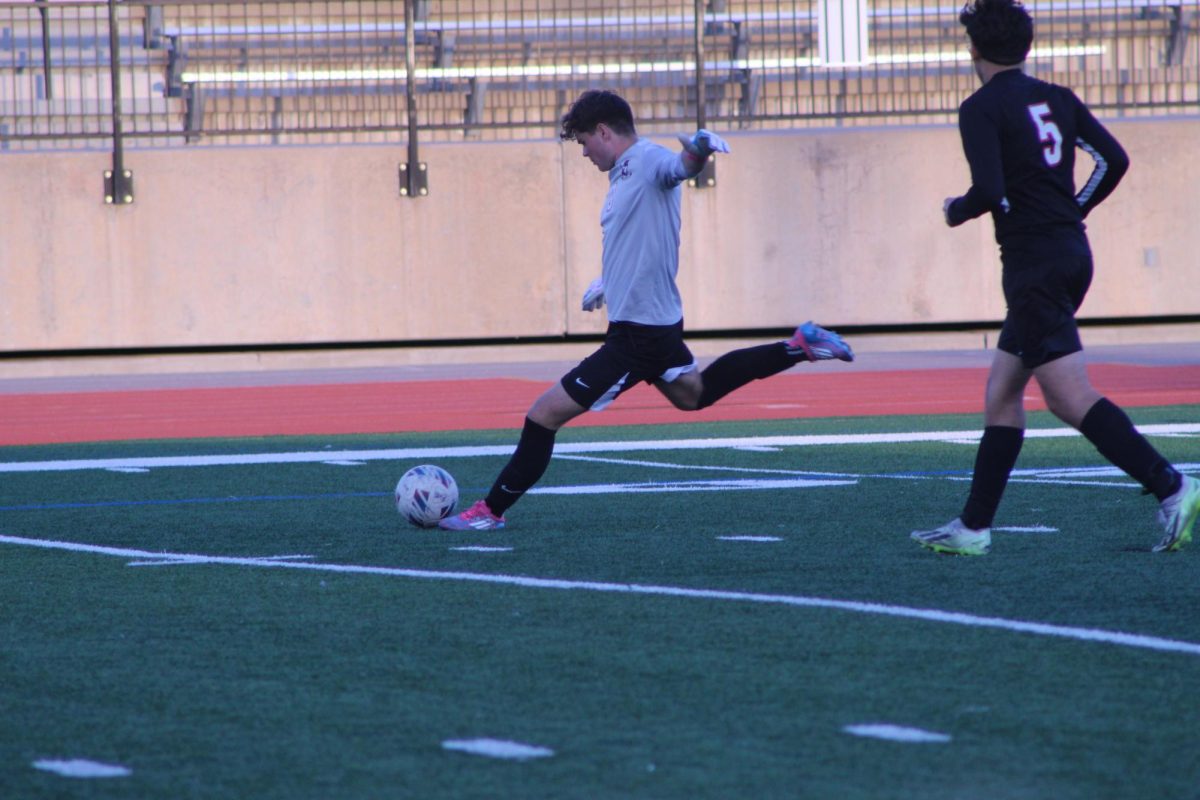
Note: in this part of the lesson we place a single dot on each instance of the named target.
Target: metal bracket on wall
(118, 187)
(414, 182)
(707, 177)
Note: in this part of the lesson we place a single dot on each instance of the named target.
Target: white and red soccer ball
(425, 495)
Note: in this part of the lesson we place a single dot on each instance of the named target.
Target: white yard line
(750, 538)
(498, 748)
(688, 486)
(82, 768)
(637, 462)
(896, 733)
(1096, 635)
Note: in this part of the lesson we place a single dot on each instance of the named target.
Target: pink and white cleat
(476, 518)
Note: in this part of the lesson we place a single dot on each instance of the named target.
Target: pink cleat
(476, 518)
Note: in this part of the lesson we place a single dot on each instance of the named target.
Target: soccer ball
(425, 495)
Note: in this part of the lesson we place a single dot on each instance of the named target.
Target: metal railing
(80, 74)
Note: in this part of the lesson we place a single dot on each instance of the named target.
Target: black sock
(1111, 432)
(995, 459)
(523, 470)
(735, 369)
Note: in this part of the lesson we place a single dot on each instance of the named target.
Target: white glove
(593, 298)
(703, 144)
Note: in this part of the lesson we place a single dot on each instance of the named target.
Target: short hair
(596, 106)
(1001, 30)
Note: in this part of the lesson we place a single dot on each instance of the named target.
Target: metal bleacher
(269, 72)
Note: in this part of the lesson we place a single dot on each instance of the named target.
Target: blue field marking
(805, 479)
(584, 489)
(194, 501)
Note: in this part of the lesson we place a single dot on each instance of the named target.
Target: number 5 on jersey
(1048, 132)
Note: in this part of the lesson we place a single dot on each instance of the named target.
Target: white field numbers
(1048, 133)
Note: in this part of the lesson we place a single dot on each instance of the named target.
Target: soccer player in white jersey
(644, 341)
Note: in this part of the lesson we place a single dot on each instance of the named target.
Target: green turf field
(728, 610)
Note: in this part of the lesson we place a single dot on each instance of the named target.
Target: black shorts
(1043, 294)
(631, 353)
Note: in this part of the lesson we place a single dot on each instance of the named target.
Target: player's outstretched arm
(698, 147)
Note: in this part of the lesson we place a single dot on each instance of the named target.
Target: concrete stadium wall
(315, 244)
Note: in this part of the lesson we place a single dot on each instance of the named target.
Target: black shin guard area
(524, 469)
(734, 370)
(994, 461)
(1111, 432)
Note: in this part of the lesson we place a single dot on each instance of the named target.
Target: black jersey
(1020, 136)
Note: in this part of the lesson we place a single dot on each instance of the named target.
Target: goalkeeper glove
(593, 298)
(703, 144)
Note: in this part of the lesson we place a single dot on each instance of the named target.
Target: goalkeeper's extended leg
(734, 370)
(523, 470)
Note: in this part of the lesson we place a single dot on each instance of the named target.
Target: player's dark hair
(1001, 30)
(597, 106)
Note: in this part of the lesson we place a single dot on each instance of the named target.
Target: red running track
(393, 407)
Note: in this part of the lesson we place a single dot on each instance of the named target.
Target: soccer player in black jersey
(1020, 137)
